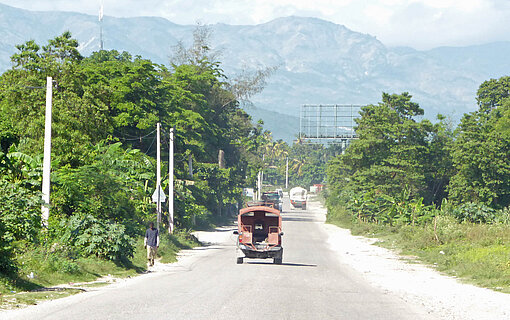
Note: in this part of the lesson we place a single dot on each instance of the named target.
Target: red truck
(259, 231)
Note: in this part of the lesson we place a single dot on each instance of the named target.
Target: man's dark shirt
(152, 237)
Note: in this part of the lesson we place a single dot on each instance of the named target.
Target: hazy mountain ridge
(318, 61)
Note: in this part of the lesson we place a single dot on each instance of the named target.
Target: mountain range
(318, 62)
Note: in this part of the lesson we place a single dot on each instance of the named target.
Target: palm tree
(297, 166)
(280, 150)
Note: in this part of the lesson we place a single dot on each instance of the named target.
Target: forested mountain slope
(318, 61)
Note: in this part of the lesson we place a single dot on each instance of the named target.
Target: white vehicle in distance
(298, 198)
(280, 192)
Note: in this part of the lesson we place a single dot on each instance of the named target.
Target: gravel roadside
(442, 296)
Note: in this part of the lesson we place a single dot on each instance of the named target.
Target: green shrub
(381, 208)
(474, 212)
(20, 218)
(92, 236)
(20, 210)
(7, 265)
(45, 259)
(503, 216)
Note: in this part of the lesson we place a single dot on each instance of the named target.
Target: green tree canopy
(481, 152)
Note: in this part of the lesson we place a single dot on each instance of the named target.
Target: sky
(421, 24)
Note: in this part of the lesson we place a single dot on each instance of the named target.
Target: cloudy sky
(418, 23)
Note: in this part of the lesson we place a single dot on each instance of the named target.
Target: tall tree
(481, 153)
(389, 154)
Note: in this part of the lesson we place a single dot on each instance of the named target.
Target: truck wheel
(239, 260)
(279, 258)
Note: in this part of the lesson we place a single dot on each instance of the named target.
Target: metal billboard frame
(330, 123)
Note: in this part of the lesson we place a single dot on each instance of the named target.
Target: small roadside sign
(162, 196)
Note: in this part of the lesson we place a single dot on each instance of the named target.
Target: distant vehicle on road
(259, 231)
(280, 192)
(298, 198)
(249, 192)
(274, 198)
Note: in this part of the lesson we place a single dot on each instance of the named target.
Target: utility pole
(259, 186)
(260, 178)
(262, 172)
(287, 174)
(158, 174)
(47, 153)
(221, 159)
(171, 183)
(190, 166)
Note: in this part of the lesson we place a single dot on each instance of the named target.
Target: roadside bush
(384, 209)
(92, 236)
(63, 264)
(45, 258)
(91, 190)
(503, 216)
(20, 211)
(474, 212)
(6, 251)
(20, 218)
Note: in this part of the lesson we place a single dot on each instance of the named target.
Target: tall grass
(49, 265)
(476, 253)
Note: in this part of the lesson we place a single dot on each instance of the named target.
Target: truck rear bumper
(272, 252)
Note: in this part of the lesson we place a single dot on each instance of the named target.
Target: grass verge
(475, 253)
(40, 269)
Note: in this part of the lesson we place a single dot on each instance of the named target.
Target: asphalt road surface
(208, 284)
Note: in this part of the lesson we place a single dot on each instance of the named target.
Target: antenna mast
(101, 26)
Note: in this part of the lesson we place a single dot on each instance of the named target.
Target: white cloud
(463, 5)
(380, 15)
(417, 23)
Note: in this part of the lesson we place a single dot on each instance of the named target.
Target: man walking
(151, 242)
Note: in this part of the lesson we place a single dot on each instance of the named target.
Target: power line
(147, 152)
(135, 138)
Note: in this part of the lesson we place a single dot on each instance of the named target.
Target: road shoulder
(185, 261)
(442, 296)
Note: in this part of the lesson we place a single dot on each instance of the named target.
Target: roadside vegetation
(435, 192)
(105, 110)
(48, 274)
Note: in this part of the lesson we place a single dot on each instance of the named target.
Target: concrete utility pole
(171, 183)
(287, 174)
(221, 159)
(190, 166)
(47, 153)
(158, 174)
(259, 186)
(262, 175)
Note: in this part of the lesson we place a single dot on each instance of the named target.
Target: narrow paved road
(310, 284)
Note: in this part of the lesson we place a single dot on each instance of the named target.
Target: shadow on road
(229, 229)
(301, 219)
(283, 264)
(207, 246)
